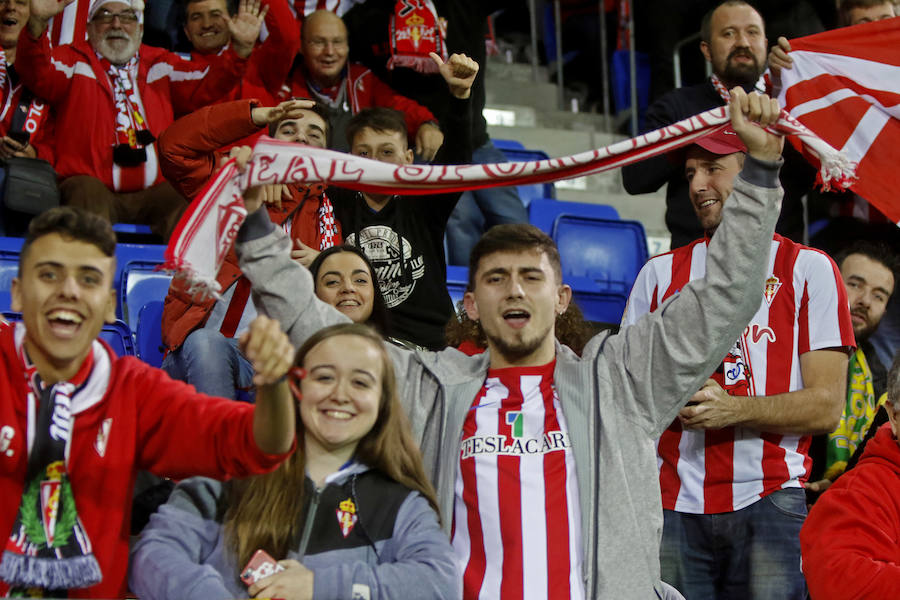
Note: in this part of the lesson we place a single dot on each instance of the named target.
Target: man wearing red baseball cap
(733, 463)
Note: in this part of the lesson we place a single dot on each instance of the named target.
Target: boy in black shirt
(413, 281)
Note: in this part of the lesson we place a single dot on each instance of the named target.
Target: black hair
(876, 251)
(319, 110)
(378, 118)
(516, 237)
(72, 224)
(380, 318)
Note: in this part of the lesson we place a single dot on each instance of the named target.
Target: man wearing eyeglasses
(112, 97)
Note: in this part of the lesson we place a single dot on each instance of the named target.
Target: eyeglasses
(128, 17)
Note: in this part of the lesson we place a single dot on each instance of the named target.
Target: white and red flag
(845, 86)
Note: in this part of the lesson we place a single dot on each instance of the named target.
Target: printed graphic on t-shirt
(397, 278)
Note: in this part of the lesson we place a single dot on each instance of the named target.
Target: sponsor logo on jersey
(501, 445)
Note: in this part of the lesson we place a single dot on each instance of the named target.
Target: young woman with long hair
(350, 514)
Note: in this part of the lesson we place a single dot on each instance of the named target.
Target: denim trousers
(211, 363)
(751, 553)
(479, 210)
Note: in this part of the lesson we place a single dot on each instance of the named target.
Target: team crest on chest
(102, 437)
(346, 516)
(773, 284)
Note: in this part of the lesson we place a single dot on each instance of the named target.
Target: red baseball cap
(722, 142)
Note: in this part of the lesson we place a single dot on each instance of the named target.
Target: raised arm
(282, 288)
(187, 147)
(34, 56)
(667, 355)
(167, 562)
(272, 58)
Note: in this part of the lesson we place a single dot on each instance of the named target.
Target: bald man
(321, 72)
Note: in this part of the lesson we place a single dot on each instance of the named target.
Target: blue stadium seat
(610, 253)
(119, 336)
(134, 233)
(516, 152)
(140, 284)
(9, 267)
(136, 263)
(457, 280)
(149, 333)
(116, 334)
(600, 305)
(507, 144)
(543, 212)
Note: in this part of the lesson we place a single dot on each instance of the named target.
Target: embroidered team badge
(50, 491)
(346, 516)
(102, 437)
(773, 284)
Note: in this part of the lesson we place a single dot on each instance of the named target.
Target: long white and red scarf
(215, 216)
(845, 86)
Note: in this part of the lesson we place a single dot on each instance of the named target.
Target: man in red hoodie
(849, 539)
(201, 336)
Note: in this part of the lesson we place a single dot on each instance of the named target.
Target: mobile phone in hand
(260, 566)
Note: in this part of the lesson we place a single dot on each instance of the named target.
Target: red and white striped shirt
(804, 308)
(516, 521)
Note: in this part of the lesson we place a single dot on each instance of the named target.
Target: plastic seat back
(610, 253)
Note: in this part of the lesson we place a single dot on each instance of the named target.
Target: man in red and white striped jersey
(543, 460)
(733, 462)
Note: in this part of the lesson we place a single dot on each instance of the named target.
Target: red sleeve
(201, 84)
(272, 59)
(416, 114)
(43, 138)
(849, 539)
(183, 433)
(34, 65)
(187, 146)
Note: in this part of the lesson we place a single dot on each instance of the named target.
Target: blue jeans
(211, 363)
(751, 553)
(479, 210)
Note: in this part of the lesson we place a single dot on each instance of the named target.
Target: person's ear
(704, 49)
(110, 316)
(563, 299)
(408, 156)
(894, 418)
(470, 306)
(16, 295)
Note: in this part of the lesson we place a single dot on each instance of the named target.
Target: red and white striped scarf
(216, 215)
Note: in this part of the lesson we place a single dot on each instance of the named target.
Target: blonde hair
(265, 511)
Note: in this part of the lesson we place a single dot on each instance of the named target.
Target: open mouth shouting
(64, 323)
(516, 317)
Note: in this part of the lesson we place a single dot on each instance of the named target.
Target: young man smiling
(733, 462)
(77, 422)
(543, 460)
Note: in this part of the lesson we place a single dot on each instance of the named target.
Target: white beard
(116, 50)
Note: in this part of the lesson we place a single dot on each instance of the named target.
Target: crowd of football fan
(329, 426)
